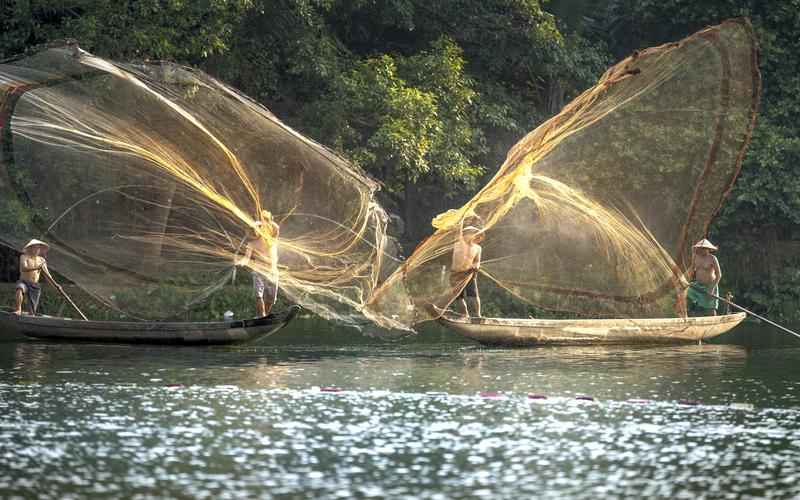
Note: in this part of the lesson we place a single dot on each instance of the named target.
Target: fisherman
(467, 261)
(32, 264)
(705, 272)
(265, 248)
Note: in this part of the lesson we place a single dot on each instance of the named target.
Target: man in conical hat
(31, 265)
(705, 273)
(465, 265)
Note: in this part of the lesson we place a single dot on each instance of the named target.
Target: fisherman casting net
(595, 211)
(147, 178)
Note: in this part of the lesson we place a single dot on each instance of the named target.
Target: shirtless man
(31, 265)
(467, 261)
(706, 273)
(266, 255)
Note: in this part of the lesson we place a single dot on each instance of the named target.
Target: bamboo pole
(751, 313)
(64, 294)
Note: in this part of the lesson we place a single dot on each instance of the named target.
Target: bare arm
(47, 274)
(717, 269)
(476, 261)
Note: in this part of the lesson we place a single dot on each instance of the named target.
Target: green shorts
(699, 298)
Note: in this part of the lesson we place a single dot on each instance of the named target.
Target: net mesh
(595, 211)
(146, 179)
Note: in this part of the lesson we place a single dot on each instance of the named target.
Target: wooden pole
(64, 294)
(751, 313)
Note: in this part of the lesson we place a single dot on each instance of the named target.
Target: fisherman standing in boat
(467, 261)
(706, 273)
(31, 265)
(265, 247)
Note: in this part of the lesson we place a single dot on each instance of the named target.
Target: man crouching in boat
(704, 290)
(467, 262)
(31, 265)
(266, 254)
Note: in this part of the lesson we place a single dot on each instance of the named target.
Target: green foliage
(14, 217)
(15, 27)
(404, 119)
(768, 188)
(774, 297)
(183, 30)
(766, 191)
(766, 194)
(429, 96)
(423, 96)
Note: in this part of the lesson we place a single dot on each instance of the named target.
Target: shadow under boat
(155, 332)
(504, 332)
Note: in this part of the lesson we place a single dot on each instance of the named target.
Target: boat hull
(129, 332)
(533, 332)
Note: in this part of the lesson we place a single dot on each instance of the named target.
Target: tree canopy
(427, 97)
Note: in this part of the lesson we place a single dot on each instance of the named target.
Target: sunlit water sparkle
(410, 421)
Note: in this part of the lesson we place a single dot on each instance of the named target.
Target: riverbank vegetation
(427, 97)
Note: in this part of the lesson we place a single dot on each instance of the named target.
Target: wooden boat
(131, 332)
(533, 332)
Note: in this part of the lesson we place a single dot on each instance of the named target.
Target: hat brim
(36, 243)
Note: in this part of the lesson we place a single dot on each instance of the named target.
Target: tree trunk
(555, 96)
(409, 199)
(153, 258)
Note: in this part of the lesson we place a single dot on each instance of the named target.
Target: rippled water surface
(346, 417)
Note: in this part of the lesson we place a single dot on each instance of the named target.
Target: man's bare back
(466, 256)
(263, 251)
(465, 264)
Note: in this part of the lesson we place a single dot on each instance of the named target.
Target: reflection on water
(99, 420)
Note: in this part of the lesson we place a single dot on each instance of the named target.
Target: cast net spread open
(595, 211)
(145, 179)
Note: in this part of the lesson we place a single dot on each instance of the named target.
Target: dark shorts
(470, 290)
(32, 293)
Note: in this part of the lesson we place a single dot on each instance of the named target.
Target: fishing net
(595, 211)
(147, 178)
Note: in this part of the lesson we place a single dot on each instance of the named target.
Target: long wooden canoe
(532, 332)
(131, 332)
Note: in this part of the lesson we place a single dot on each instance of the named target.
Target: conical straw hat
(35, 242)
(704, 243)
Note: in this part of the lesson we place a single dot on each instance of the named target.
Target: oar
(751, 313)
(64, 294)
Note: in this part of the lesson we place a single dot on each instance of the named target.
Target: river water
(314, 414)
